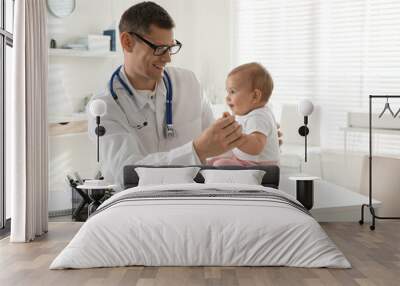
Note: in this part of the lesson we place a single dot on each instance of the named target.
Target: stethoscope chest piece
(169, 131)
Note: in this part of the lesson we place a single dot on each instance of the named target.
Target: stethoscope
(169, 130)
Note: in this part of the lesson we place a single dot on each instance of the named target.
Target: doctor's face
(142, 60)
(240, 97)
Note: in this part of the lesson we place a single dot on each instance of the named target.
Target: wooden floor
(375, 257)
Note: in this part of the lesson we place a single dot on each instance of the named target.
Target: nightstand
(304, 189)
(95, 193)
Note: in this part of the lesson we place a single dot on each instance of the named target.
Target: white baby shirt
(260, 120)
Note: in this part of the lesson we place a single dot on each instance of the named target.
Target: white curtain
(27, 123)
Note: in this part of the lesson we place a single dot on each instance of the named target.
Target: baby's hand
(225, 114)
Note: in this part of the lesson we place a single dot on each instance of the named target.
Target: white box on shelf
(358, 119)
(100, 43)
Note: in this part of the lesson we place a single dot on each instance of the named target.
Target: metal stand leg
(374, 216)
(93, 207)
(371, 209)
(85, 200)
(95, 196)
(361, 221)
(76, 212)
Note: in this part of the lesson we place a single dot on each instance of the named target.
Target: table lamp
(305, 108)
(98, 108)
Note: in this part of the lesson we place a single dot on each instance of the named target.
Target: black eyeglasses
(160, 50)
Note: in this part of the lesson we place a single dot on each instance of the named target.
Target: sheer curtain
(26, 119)
(334, 52)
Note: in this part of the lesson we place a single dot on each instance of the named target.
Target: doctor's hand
(223, 135)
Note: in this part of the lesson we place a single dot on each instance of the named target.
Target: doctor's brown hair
(258, 76)
(138, 18)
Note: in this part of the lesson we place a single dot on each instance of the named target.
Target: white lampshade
(305, 107)
(98, 107)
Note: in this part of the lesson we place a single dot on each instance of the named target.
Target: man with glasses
(137, 102)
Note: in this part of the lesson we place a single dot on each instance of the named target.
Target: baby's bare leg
(229, 161)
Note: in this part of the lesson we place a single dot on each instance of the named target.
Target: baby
(249, 88)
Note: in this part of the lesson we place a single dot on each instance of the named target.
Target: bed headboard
(270, 179)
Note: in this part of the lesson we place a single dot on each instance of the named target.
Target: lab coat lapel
(133, 101)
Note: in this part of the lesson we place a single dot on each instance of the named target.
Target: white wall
(343, 169)
(68, 154)
(202, 26)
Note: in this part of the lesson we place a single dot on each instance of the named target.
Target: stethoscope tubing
(169, 130)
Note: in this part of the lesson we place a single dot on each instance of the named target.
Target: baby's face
(240, 97)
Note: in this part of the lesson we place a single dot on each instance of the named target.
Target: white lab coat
(124, 144)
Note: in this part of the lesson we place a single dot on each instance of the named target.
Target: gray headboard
(270, 179)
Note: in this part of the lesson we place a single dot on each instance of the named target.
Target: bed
(198, 224)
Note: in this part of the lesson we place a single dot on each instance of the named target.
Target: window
(6, 43)
(334, 52)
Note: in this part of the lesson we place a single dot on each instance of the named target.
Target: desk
(332, 203)
(95, 193)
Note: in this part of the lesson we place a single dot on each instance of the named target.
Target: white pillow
(248, 177)
(165, 176)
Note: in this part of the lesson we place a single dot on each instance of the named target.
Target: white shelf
(74, 117)
(374, 130)
(81, 53)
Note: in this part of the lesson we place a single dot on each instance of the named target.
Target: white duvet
(200, 231)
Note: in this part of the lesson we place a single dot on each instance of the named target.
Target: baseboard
(60, 200)
(60, 213)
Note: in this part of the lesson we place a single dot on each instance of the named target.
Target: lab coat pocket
(137, 121)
